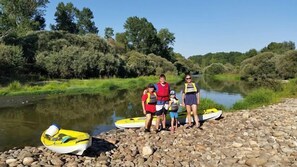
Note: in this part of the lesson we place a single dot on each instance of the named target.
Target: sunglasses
(188, 78)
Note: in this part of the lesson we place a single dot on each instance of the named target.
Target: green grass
(76, 86)
(206, 103)
(227, 77)
(265, 96)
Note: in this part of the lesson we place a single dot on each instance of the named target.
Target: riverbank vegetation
(77, 86)
(265, 95)
(73, 49)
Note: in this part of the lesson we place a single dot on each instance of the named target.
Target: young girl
(173, 108)
(149, 101)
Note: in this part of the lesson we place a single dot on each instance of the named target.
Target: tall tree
(166, 39)
(21, 15)
(84, 21)
(108, 33)
(65, 16)
(141, 35)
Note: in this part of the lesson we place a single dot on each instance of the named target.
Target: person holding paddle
(191, 99)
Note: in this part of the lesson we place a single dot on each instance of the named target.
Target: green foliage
(21, 16)
(14, 86)
(108, 33)
(286, 65)
(84, 21)
(75, 86)
(261, 66)
(11, 59)
(262, 96)
(215, 68)
(206, 103)
(65, 18)
(279, 47)
(141, 35)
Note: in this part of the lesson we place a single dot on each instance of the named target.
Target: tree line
(275, 61)
(73, 48)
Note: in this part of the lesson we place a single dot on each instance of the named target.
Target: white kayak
(138, 122)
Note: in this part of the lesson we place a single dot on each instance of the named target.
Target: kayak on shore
(138, 122)
(65, 141)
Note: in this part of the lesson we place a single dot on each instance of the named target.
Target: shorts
(173, 114)
(150, 112)
(162, 107)
(190, 99)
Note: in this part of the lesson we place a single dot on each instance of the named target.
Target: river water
(24, 118)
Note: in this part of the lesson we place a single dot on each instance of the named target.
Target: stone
(245, 115)
(28, 161)
(57, 161)
(9, 161)
(24, 154)
(147, 151)
(237, 145)
(256, 161)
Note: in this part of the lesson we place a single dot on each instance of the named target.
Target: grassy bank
(265, 96)
(76, 86)
(227, 77)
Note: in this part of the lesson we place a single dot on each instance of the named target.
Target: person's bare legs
(158, 122)
(172, 125)
(164, 121)
(194, 109)
(147, 121)
(189, 117)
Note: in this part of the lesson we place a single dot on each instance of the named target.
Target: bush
(256, 98)
(14, 86)
(11, 59)
(286, 65)
(215, 68)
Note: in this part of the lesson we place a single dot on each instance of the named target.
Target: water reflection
(23, 125)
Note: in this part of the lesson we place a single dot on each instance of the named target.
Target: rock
(237, 145)
(10, 161)
(147, 151)
(23, 154)
(57, 162)
(245, 115)
(256, 161)
(28, 161)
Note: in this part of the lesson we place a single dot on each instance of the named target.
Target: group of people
(158, 99)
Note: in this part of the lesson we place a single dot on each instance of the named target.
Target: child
(149, 101)
(173, 108)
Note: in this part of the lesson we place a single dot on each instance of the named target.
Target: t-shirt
(197, 86)
(148, 107)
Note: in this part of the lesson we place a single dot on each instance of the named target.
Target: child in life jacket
(149, 101)
(173, 108)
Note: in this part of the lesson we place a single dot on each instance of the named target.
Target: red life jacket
(163, 92)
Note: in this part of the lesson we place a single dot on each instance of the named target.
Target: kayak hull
(139, 122)
(76, 143)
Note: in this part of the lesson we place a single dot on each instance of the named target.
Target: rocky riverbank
(265, 136)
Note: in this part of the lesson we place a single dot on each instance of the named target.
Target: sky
(200, 26)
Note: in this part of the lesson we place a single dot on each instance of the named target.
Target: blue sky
(200, 26)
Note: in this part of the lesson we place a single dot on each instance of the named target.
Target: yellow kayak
(138, 122)
(67, 141)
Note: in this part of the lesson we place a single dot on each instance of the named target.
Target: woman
(191, 99)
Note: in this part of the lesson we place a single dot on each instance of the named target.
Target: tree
(21, 16)
(84, 21)
(279, 47)
(108, 33)
(141, 35)
(65, 16)
(166, 40)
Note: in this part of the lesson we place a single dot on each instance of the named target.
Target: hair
(188, 75)
(162, 76)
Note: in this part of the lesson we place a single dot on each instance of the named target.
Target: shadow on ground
(98, 146)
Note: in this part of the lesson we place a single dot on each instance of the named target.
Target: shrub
(215, 68)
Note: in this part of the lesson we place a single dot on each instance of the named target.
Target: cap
(172, 92)
(151, 85)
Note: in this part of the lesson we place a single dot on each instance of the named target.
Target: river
(24, 118)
